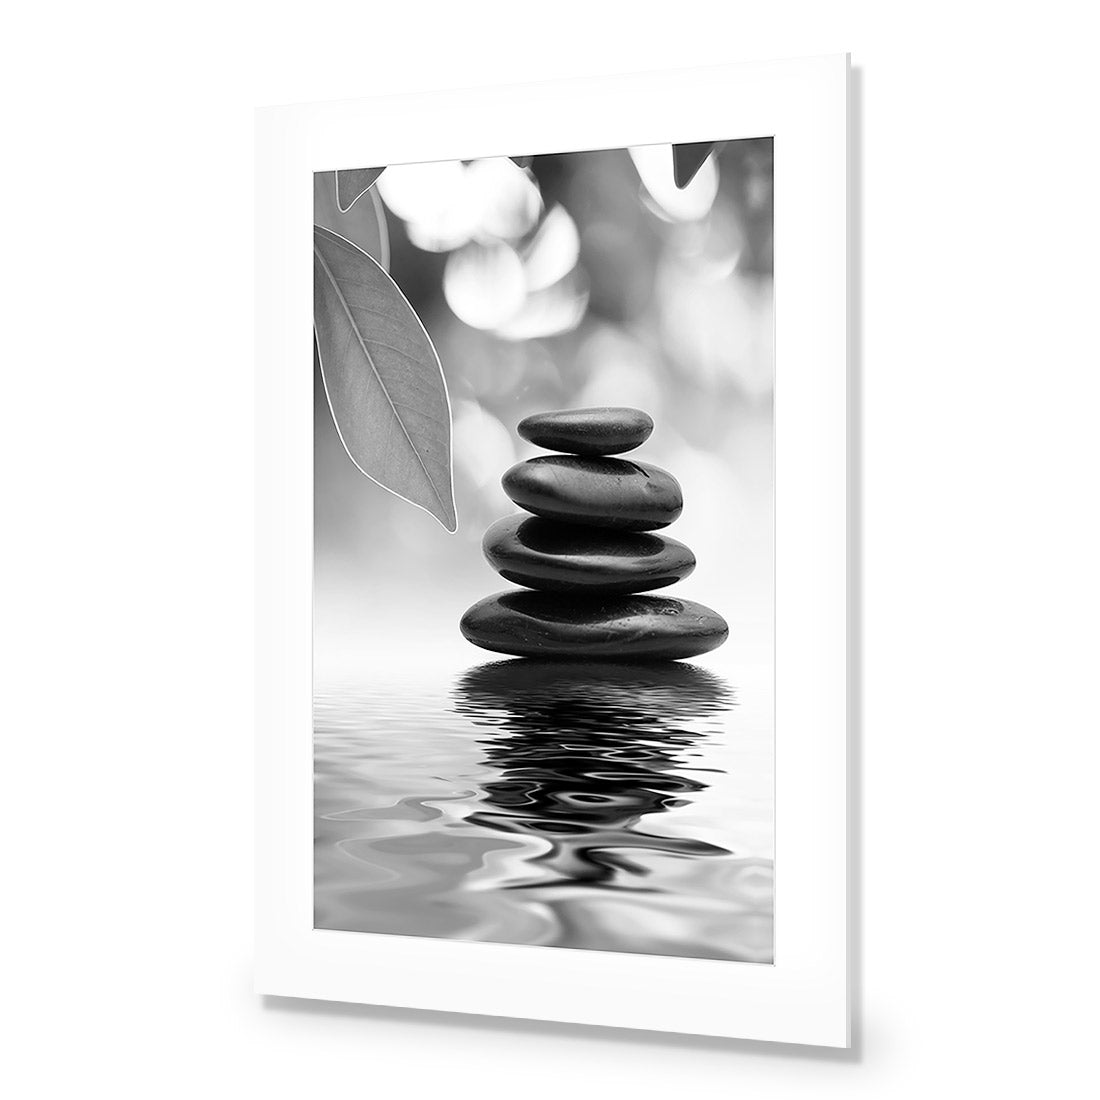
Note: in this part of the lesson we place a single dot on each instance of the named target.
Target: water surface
(586, 805)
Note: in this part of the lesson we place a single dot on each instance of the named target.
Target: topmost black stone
(604, 431)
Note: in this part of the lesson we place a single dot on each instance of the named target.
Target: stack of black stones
(587, 550)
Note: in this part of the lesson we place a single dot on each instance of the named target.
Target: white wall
(126, 455)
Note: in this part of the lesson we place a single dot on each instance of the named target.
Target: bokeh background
(583, 279)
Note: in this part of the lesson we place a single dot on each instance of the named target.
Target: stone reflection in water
(589, 754)
(592, 748)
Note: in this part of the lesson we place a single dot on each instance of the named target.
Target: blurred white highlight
(553, 251)
(654, 165)
(448, 204)
(483, 284)
(550, 312)
(483, 447)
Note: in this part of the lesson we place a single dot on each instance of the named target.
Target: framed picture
(551, 551)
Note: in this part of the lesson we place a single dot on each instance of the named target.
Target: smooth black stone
(542, 624)
(605, 431)
(558, 557)
(596, 492)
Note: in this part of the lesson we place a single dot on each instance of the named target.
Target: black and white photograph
(543, 598)
(551, 550)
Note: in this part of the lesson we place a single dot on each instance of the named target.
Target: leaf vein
(370, 360)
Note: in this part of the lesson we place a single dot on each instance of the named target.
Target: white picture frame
(803, 996)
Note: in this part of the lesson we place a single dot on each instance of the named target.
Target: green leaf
(364, 224)
(352, 184)
(688, 159)
(382, 376)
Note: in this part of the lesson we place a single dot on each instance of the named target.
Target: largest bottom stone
(542, 624)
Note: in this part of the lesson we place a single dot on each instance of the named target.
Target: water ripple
(528, 806)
